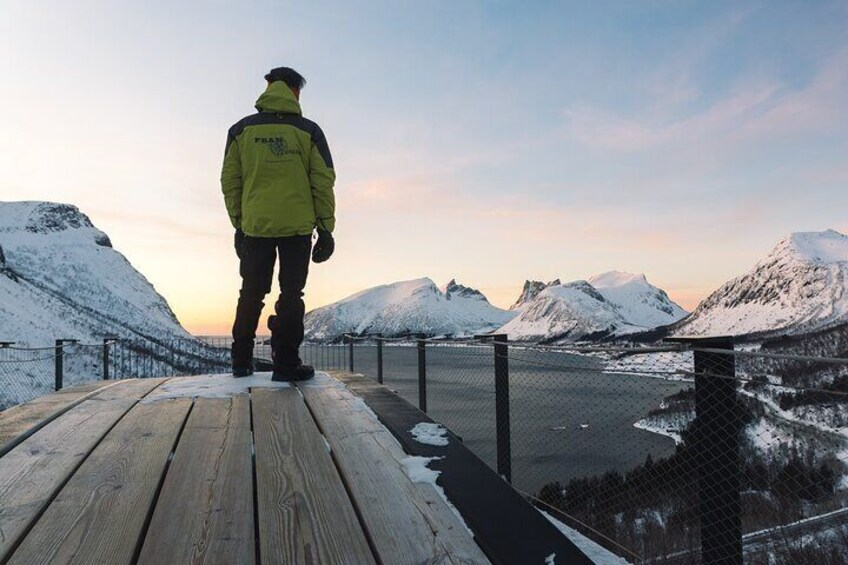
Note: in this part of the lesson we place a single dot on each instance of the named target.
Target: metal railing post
(106, 342)
(422, 375)
(350, 353)
(60, 361)
(502, 418)
(379, 338)
(717, 458)
(60, 365)
(503, 435)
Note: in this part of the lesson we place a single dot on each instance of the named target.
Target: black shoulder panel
(321, 144)
(318, 139)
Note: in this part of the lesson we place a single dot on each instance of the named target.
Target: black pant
(257, 256)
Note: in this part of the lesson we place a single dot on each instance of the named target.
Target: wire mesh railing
(686, 453)
(27, 372)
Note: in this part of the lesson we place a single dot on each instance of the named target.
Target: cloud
(818, 106)
(608, 131)
(753, 110)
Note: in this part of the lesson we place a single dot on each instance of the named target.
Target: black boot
(296, 373)
(242, 355)
(284, 356)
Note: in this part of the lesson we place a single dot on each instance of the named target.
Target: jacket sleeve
(322, 178)
(231, 180)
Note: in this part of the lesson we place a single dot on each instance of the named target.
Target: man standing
(277, 181)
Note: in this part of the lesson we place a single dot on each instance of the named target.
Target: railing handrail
(621, 349)
(780, 356)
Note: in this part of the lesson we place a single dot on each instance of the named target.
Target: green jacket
(278, 175)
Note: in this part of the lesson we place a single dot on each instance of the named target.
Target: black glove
(239, 242)
(324, 247)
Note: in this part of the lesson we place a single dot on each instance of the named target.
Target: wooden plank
(407, 522)
(205, 510)
(99, 516)
(521, 535)
(305, 515)
(32, 473)
(19, 422)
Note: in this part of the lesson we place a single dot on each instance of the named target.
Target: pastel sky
(489, 141)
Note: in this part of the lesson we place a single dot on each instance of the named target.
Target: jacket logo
(277, 145)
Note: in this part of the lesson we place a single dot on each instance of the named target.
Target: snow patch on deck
(429, 433)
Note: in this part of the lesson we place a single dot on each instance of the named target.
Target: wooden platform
(218, 470)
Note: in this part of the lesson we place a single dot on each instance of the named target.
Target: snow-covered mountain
(61, 278)
(800, 287)
(416, 306)
(609, 304)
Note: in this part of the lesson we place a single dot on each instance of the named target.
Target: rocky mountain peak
(48, 218)
(531, 290)
(455, 289)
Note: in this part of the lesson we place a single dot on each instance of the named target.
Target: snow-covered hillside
(613, 303)
(61, 278)
(407, 307)
(800, 287)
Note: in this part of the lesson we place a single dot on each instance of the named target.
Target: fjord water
(568, 418)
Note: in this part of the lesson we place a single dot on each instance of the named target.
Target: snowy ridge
(800, 287)
(613, 303)
(61, 278)
(637, 300)
(415, 306)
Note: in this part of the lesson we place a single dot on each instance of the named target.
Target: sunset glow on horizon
(489, 142)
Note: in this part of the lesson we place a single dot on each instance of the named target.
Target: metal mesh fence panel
(400, 367)
(591, 436)
(141, 358)
(324, 356)
(25, 374)
(461, 394)
(365, 358)
(793, 445)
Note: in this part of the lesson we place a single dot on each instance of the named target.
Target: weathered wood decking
(220, 470)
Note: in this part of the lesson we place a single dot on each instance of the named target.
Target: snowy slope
(407, 307)
(61, 278)
(613, 303)
(800, 287)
